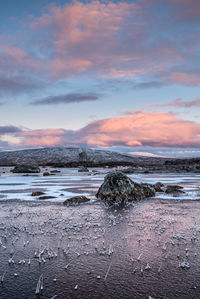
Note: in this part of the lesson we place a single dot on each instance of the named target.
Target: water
(70, 182)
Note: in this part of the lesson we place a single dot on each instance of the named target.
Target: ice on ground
(69, 182)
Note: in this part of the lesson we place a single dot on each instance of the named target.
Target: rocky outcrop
(119, 188)
(76, 200)
(26, 168)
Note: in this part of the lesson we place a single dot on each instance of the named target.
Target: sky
(117, 75)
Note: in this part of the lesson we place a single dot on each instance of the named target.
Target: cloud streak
(184, 104)
(9, 130)
(66, 99)
(178, 103)
(18, 84)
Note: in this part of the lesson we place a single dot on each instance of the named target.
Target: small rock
(26, 168)
(37, 193)
(83, 169)
(46, 173)
(76, 200)
(46, 197)
(175, 189)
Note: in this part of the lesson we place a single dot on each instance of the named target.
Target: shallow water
(69, 182)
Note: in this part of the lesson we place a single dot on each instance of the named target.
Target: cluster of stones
(119, 188)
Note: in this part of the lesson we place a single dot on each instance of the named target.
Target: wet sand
(151, 248)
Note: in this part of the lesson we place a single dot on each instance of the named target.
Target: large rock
(26, 168)
(119, 188)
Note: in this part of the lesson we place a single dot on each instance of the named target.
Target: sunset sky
(122, 75)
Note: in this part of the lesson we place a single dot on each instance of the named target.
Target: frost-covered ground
(150, 249)
(70, 182)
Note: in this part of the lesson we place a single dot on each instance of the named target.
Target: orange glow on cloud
(142, 129)
(156, 129)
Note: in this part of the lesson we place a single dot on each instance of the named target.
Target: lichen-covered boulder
(26, 168)
(119, 188)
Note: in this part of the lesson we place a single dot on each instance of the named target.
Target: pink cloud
(104, 38)
(178, 103)
(58, 66)
(156, 129)
(14, 52)
(142, 129)
(84, 35)
(43, 133)
(184, 79)
(107, 39)
(131, 112)
(47, 137)
(185, 104)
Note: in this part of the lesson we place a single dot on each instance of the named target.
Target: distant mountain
(71, 157)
